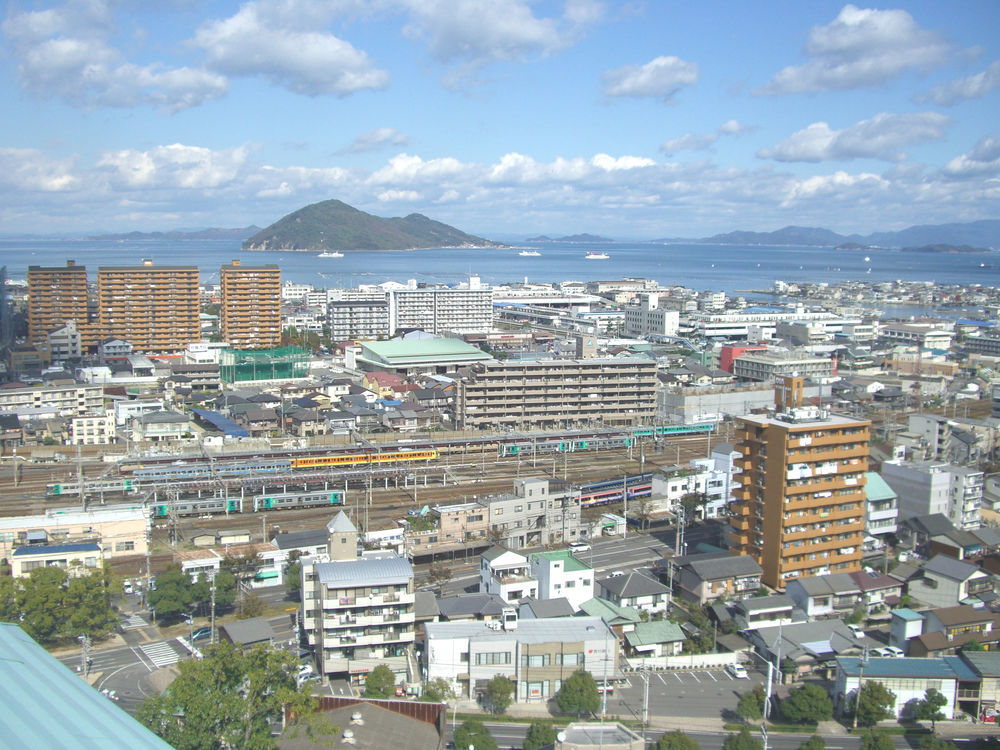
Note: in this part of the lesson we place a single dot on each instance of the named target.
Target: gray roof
(559, 607)
(949, 567)
(837, 584)
(765, 603)
(372, 571)
(819, 639)
(470, 605)
(989, 537)
(557, 630)
(253, 630)
(301, 539)
(716, 568)
(425, 605)
(380, 727)
(930, 524)
(47, 705)
(341, 524)
(494, 552)
(633, 584)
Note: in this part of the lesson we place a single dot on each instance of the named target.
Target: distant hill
(982, 234)
(571, 238)
(198, 234)
(333, 225)
(946, 249)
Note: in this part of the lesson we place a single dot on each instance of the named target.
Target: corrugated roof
(661, 631)
(889, 666)
(557, 630)
(949, 567)
(876, 487)
(610, 611)
(48, 706)
(341, 524)
(221, 423)
(52, 549)
(983, 663)
(424, 348)
(365, 572)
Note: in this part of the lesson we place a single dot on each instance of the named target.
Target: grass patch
(908, 731)
(807, 728)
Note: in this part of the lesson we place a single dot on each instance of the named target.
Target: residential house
(538, 609)
(766, 611)
(306, 423)
(561, 574)
(248, 633)
(162, 427)
(534, 515)
(474, 606)
(709, 576)
(947, 582)
(877, 589)
(986, 666)
(811, 645)
(907, 679)
(947, 629)
(621, 619)
(962, 545)
(825, 596)
(657, 638)
(881, 511)
(507, 574)
(634, 590)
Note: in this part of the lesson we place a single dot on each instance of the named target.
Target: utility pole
(625, 505)
(211, 641)
(85, 654)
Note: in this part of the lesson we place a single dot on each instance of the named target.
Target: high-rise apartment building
(154, 308)
(800, 507)
(468, 310)
(251, 306)
(56, 295)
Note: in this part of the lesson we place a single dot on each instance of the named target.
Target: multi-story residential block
(881, 510)
(251, 306)
(561, 574)
(120, 530)
(550, 393)
(65, 400)
(923, 335)
(800, 508)
(506, 573)
(534, 515)
(926, 487)
(538, 655)
(92, 430)
(358, 319)
(56, 296)
(357, 611)
(65, 342)
(154, 308)
(647, 317)
(458, 310)
(769, 365)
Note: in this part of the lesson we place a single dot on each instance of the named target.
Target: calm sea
(726, 268)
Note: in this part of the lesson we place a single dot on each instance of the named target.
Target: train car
(361, 459)
(602, 497)
(284, 500)
(198, 506)
(204, 470)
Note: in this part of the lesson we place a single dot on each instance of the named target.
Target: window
(535, 660)
(124, 546)
(493, 657)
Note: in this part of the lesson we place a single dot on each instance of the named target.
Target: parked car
(201, 634)
(859, 632)
(893, 651)
(737, 671)
(616, 573)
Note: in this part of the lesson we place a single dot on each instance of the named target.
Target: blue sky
(504, 118)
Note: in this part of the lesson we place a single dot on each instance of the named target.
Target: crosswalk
(131, 622)
(161, 654)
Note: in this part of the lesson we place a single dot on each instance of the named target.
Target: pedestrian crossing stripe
(161, 654)
(133, 621)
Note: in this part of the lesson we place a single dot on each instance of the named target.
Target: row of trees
(871, 739)
(54, 607)
(176, 595)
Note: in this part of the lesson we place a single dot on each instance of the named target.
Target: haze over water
(726, 268)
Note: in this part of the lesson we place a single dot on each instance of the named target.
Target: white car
(737, 671)
(579, 547)
(893, 651)
(859, 632)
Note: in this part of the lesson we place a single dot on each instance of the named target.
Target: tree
(243, 567)
(294, 578)
(499, 694)
(930, 742)
(540, 734)
(693, 504)
(173, 595)
(875, 703)
(438, 690)
(253, 606)
(750, 706)
(788, 667)
(973, 645)
(226, 699)
(439, 574)
(742, 741)
(808, 703)
(380, 683)
(929, 708)
(873, 739)
(677, 740)
(578, 694)
(473, 733)
(813, 743)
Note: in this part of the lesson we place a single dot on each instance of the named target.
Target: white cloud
(961, 89)
(173, 166)
(406, 196)
(377, 139)
(31, 170)
(703, 141)
(660, 78)
(861, 47)
(881, 137)
(64, 53)
(279, 41)
(982, 161)
(408, 169)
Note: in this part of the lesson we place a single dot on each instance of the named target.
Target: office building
(154, 308)
(769, 365)
(56, 295)
(557, 393)
(251, 306)
(647, 317)
(800, 507)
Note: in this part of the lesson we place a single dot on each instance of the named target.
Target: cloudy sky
(505, 118)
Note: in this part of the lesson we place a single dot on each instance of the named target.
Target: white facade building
(458, 310)
(506, 574)
(928, 487)
(647, 317)
(561, 574)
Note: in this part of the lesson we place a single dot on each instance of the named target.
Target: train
(601, 493)
(599, 440)
(276, 501)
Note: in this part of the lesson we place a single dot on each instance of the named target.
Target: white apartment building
(926, 487)
(438, 310)
(92, 430)
(121, 530)
(763, 366)
(647, 317)
(924, 335)
(709, 477)
(737, 325)
(881, 510)
(562, 574)
(506, 573)
(293, 291)
(358, 319)
(63, 399)
(65, 342)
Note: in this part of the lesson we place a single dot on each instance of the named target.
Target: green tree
(875, 703)
(293, 576)
(813, 743)
(578, 694)
(873, 739)
(857, 616)
(173, 595)
(473, 733)
(438, 690)
(930, 742)
(742, 741)
(253, 606)
(40, 600)
(788, 667)
(85, 603)
(750, 706)
(380, 683)
(929, 707)
(438, 574)
(226, 699)
(973, 645)
(499, 694)
(9, 609)
(807, 703)
(225, 589)
(677, 740)
(540, 734)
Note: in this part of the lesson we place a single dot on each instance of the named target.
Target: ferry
(529, 253)
(329, 254)
(596, 255)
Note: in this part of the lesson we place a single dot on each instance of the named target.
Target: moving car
(201, 634)
(737, 671)
(859, 632)
(579, 546)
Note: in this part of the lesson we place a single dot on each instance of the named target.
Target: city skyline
(627, 119)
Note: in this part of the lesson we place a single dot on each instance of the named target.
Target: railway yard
(377, 483)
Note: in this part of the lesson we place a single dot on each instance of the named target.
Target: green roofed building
(418, 355)
(286, 363)
(881, 508)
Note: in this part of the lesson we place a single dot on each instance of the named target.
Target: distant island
(180, 235)
(946, 249)
(335, 226)
(571, 238)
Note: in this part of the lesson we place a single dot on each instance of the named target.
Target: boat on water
(329, 254)
(529, 253)
(596, 255)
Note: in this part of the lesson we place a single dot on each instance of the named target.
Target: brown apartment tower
(56, 295)
(800, 508)
(155, 308)
(251, 306)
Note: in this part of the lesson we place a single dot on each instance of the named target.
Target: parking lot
(702, 693)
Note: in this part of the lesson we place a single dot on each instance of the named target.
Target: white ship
(596, 255)
(529, 253)
(329, 254)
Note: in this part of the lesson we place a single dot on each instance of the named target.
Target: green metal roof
(570, 562)
(420, 349)
(876, 487)
(648, 633)
(611, 612)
